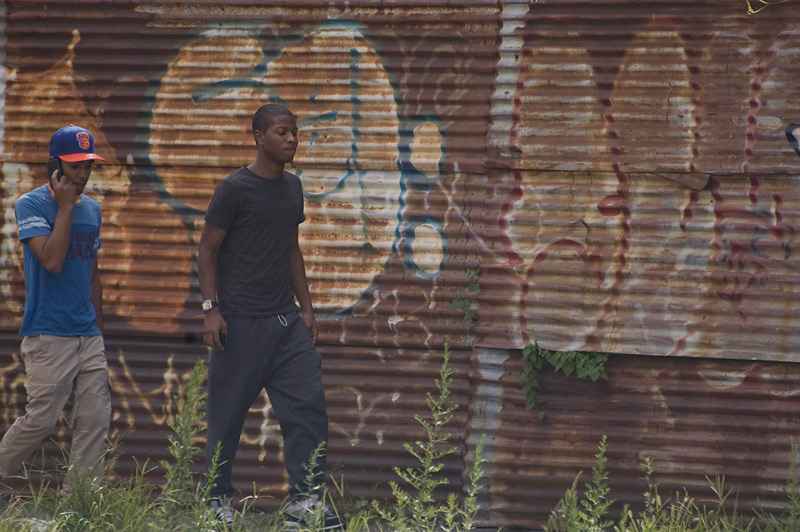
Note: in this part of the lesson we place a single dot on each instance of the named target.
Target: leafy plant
(416, 508)
(565, 517)
(313, 488)
(596, 504)
(183, 502)
(470, 314)
(653, 515)
(357, 515)
(585, 365)
(587, 514)
(471, 506)
(311, 467)
(179, 487)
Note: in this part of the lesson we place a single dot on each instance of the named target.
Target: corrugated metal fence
(617, 171)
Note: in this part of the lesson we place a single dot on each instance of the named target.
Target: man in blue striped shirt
(62, 343)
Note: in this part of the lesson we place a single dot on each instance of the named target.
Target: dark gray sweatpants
(275, 354)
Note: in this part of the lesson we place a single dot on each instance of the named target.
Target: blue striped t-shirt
(59, 304)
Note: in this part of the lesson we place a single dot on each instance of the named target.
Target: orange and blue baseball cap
(73, 144)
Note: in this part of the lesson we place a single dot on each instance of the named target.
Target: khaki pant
(57, 366)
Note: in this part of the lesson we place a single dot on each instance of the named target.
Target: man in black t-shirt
(251, 269)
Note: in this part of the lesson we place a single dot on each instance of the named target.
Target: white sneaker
(40, 525)
(310, 513)
(220, 510)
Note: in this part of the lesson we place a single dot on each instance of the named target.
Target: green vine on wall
(585, 365)
(465, 305)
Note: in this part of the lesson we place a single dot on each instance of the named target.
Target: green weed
(590, 512)
(416, 508)
(188, 422)
(104, 504)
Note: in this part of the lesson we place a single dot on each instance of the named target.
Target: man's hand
(64, 191)
(51, 250)
(212, 325)
(311, 324)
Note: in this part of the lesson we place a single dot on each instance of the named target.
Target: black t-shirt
(260, 217)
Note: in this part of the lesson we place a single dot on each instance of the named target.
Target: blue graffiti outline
(409, 174)
(409, 236)
(416, 177)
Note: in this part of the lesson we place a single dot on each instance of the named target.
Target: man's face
(77, 173)
(279, 141)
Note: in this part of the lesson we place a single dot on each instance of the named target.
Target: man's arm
(97, 296)
(51, 250)
(210, 242)
(297, 276)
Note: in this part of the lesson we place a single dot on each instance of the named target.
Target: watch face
(208, 304)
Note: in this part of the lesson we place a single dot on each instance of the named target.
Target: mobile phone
(53, 165)
(222, 338)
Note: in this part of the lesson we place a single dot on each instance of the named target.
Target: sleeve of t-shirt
(31, 220)
(222, 208)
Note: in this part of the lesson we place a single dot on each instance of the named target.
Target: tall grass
(590, 512)
(110, 504)
(416, 508)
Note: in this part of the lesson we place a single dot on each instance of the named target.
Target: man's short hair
(265, 115)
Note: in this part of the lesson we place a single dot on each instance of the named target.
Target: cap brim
(78, 157)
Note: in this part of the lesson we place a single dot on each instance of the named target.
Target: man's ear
(258, 137)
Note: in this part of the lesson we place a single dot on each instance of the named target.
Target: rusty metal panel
(168, 92)
(170, 95)
(617, 171)
(643, 193)
(697, 420)
(689, 89)
(630, 263)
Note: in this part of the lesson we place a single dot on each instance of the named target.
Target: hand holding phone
(53, 165)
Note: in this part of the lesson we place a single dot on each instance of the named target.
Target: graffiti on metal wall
(357, 220)
(628, 219)
(636, 220)
(357, 162)
(615, 211)
(336, 84)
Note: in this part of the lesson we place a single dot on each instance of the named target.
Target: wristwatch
(209, 304)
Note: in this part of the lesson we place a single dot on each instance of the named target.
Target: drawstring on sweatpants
(282, 320)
